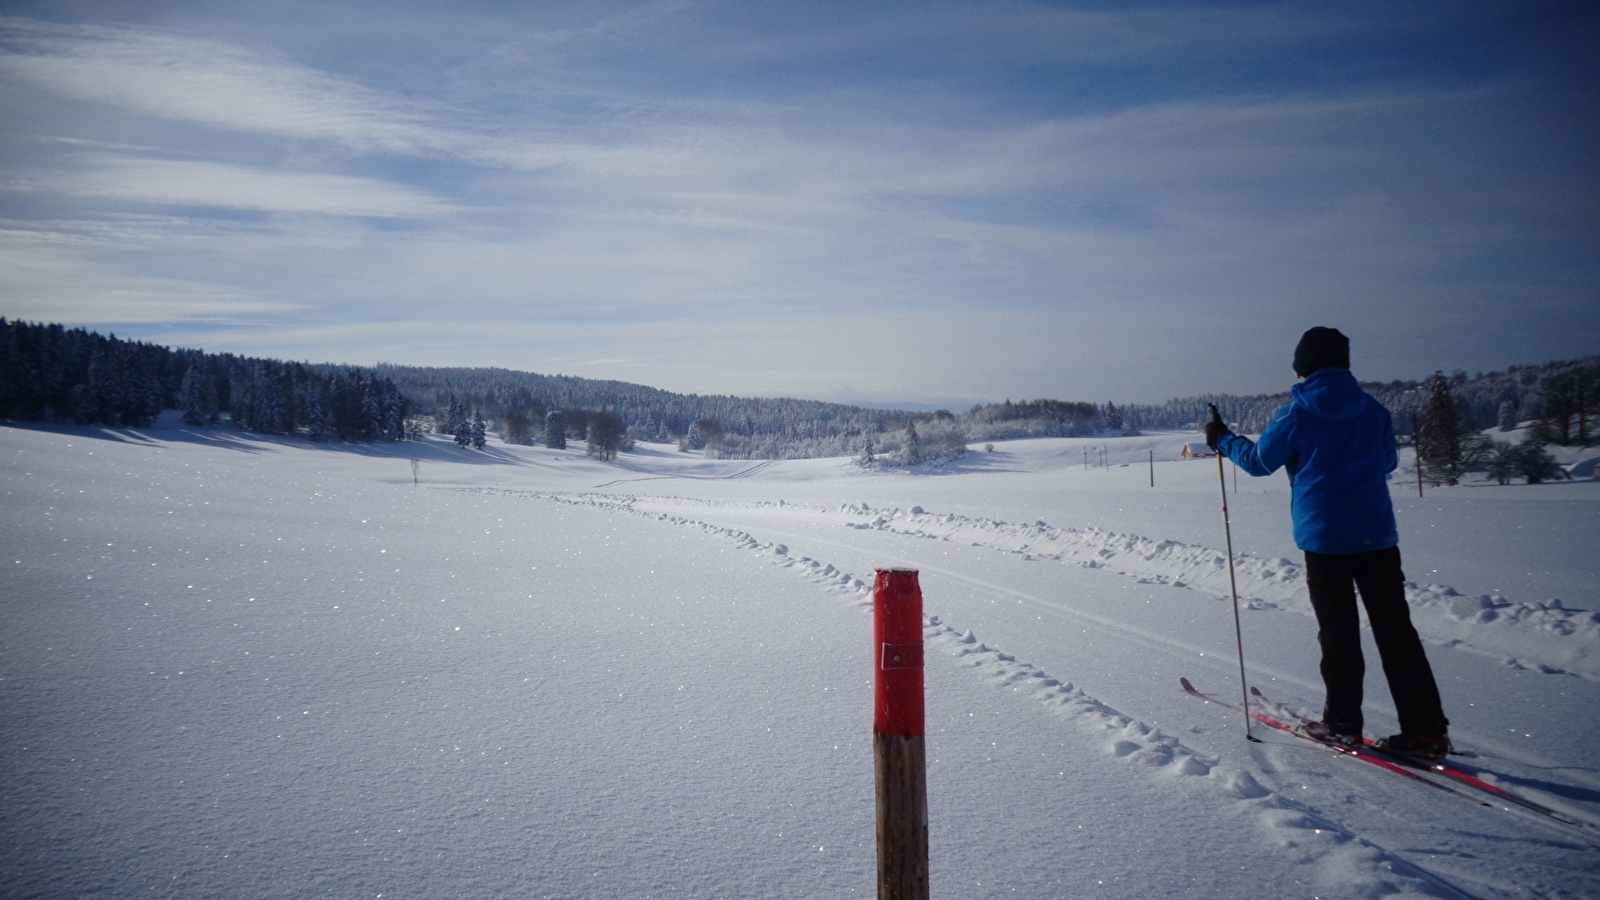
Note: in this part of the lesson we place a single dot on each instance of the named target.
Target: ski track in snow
(1544, 636)
(1337, 851)
(1518, 633)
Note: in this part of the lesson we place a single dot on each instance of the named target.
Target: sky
(925, 203)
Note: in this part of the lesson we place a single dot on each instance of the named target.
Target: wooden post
(898, 737)
(1152, 468)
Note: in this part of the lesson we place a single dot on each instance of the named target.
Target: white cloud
(58, 276)
(223, 186)
(189, 79)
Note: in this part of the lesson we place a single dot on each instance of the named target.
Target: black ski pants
(1333, 581)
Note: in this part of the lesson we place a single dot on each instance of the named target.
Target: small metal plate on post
(901, 656)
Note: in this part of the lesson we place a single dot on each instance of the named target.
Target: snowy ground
(243, 667)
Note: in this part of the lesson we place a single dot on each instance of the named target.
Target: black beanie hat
(1321, 348)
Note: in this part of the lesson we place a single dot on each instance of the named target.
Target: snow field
(376, 704)
(528, 677)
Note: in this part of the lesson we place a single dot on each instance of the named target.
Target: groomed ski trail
(1551, 637)
(1289, 822)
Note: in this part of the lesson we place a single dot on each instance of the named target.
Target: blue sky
(938, 203)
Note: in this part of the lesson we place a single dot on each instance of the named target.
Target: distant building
(1197, 450)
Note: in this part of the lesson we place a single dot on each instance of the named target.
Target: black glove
(1215, 428)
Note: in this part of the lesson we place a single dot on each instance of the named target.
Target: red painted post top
(897, 653)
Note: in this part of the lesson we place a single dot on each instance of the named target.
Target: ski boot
(1416, 746)
(1338, 738)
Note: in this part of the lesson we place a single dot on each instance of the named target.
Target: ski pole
(1233, 583)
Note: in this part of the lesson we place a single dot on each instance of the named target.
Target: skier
(1338, 445)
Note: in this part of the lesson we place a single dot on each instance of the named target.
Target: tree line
(54, 373)
(58, 374)
(49, 372)
(1558, 397)
(515, 403)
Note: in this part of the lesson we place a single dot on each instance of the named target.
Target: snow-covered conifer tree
(1439, 434)
(101, 399)
(394, 414)
(705, 432)
(1507, 415)
(454, 417)
(371, 410)
(316, 418)
(198, 397)
(274, 412)
(1113, 417)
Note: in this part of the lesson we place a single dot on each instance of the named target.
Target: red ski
(1361, 753)
(1449, 770)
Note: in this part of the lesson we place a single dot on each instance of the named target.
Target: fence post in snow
(1416, 444)
(1152, 468)
(900, 754)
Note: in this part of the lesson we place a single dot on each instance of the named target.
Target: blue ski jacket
(1338, 446)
